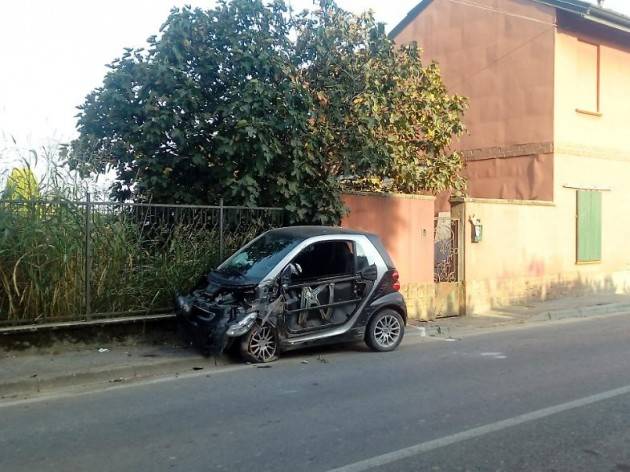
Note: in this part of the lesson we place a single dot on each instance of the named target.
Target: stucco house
(548, 142)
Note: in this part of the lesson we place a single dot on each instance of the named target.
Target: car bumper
(206, 335)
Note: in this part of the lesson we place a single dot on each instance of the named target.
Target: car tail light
(395, 281)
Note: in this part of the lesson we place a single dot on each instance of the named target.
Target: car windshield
(254, 261)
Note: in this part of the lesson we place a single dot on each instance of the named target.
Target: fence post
(88, 255)
(221, 248)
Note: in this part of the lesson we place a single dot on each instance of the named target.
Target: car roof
(306, 232)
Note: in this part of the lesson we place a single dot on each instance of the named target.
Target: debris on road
(321, 359)
(422, 330)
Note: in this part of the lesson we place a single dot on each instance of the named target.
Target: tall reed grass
(61, 259)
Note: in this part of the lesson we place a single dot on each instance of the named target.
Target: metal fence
(446, 250)
(68, 260)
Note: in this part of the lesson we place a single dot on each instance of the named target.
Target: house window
(589, 226)
(588, 78)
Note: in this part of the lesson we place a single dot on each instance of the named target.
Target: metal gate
(447, 267)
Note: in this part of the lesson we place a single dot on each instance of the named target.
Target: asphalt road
(554, 397)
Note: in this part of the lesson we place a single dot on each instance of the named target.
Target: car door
(328, 290)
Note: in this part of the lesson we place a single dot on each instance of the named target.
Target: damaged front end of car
(213, 316)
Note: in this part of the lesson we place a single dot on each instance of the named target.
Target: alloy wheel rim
(263, 344)
(387, 331)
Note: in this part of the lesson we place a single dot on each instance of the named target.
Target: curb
(99, 323)
(594, 311)
(586, 312)
(107, 375)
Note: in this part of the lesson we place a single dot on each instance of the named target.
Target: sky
(54, 52)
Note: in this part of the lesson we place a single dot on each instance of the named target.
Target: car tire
(385, 331)
(260, 344)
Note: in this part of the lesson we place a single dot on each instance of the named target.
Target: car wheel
(385, 331)
(260, 344)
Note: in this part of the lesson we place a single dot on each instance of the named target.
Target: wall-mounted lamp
(476, 230)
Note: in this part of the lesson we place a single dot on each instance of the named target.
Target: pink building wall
(405, 225)
(500, 55)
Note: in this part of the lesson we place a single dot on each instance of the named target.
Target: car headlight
(243, 326)
(183, 305)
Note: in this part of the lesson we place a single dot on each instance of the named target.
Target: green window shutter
(589, 226)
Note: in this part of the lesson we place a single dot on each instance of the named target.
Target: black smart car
(295, 287)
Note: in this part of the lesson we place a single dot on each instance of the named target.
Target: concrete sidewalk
(32, 373)
(35, 372)
(534, 312)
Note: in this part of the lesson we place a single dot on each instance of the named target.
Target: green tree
(261, 107)
(382, 118)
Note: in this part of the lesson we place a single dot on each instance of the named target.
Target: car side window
(364, 258)
(326, 259)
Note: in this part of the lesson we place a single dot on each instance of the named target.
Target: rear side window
(326, 259)
(364, 258)
(376, 242)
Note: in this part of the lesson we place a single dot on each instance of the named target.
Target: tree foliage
(254, 104)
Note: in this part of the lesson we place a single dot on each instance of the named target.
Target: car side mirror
(369, 273)
(289, 272)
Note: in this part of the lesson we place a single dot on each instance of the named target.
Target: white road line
(428, 446)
